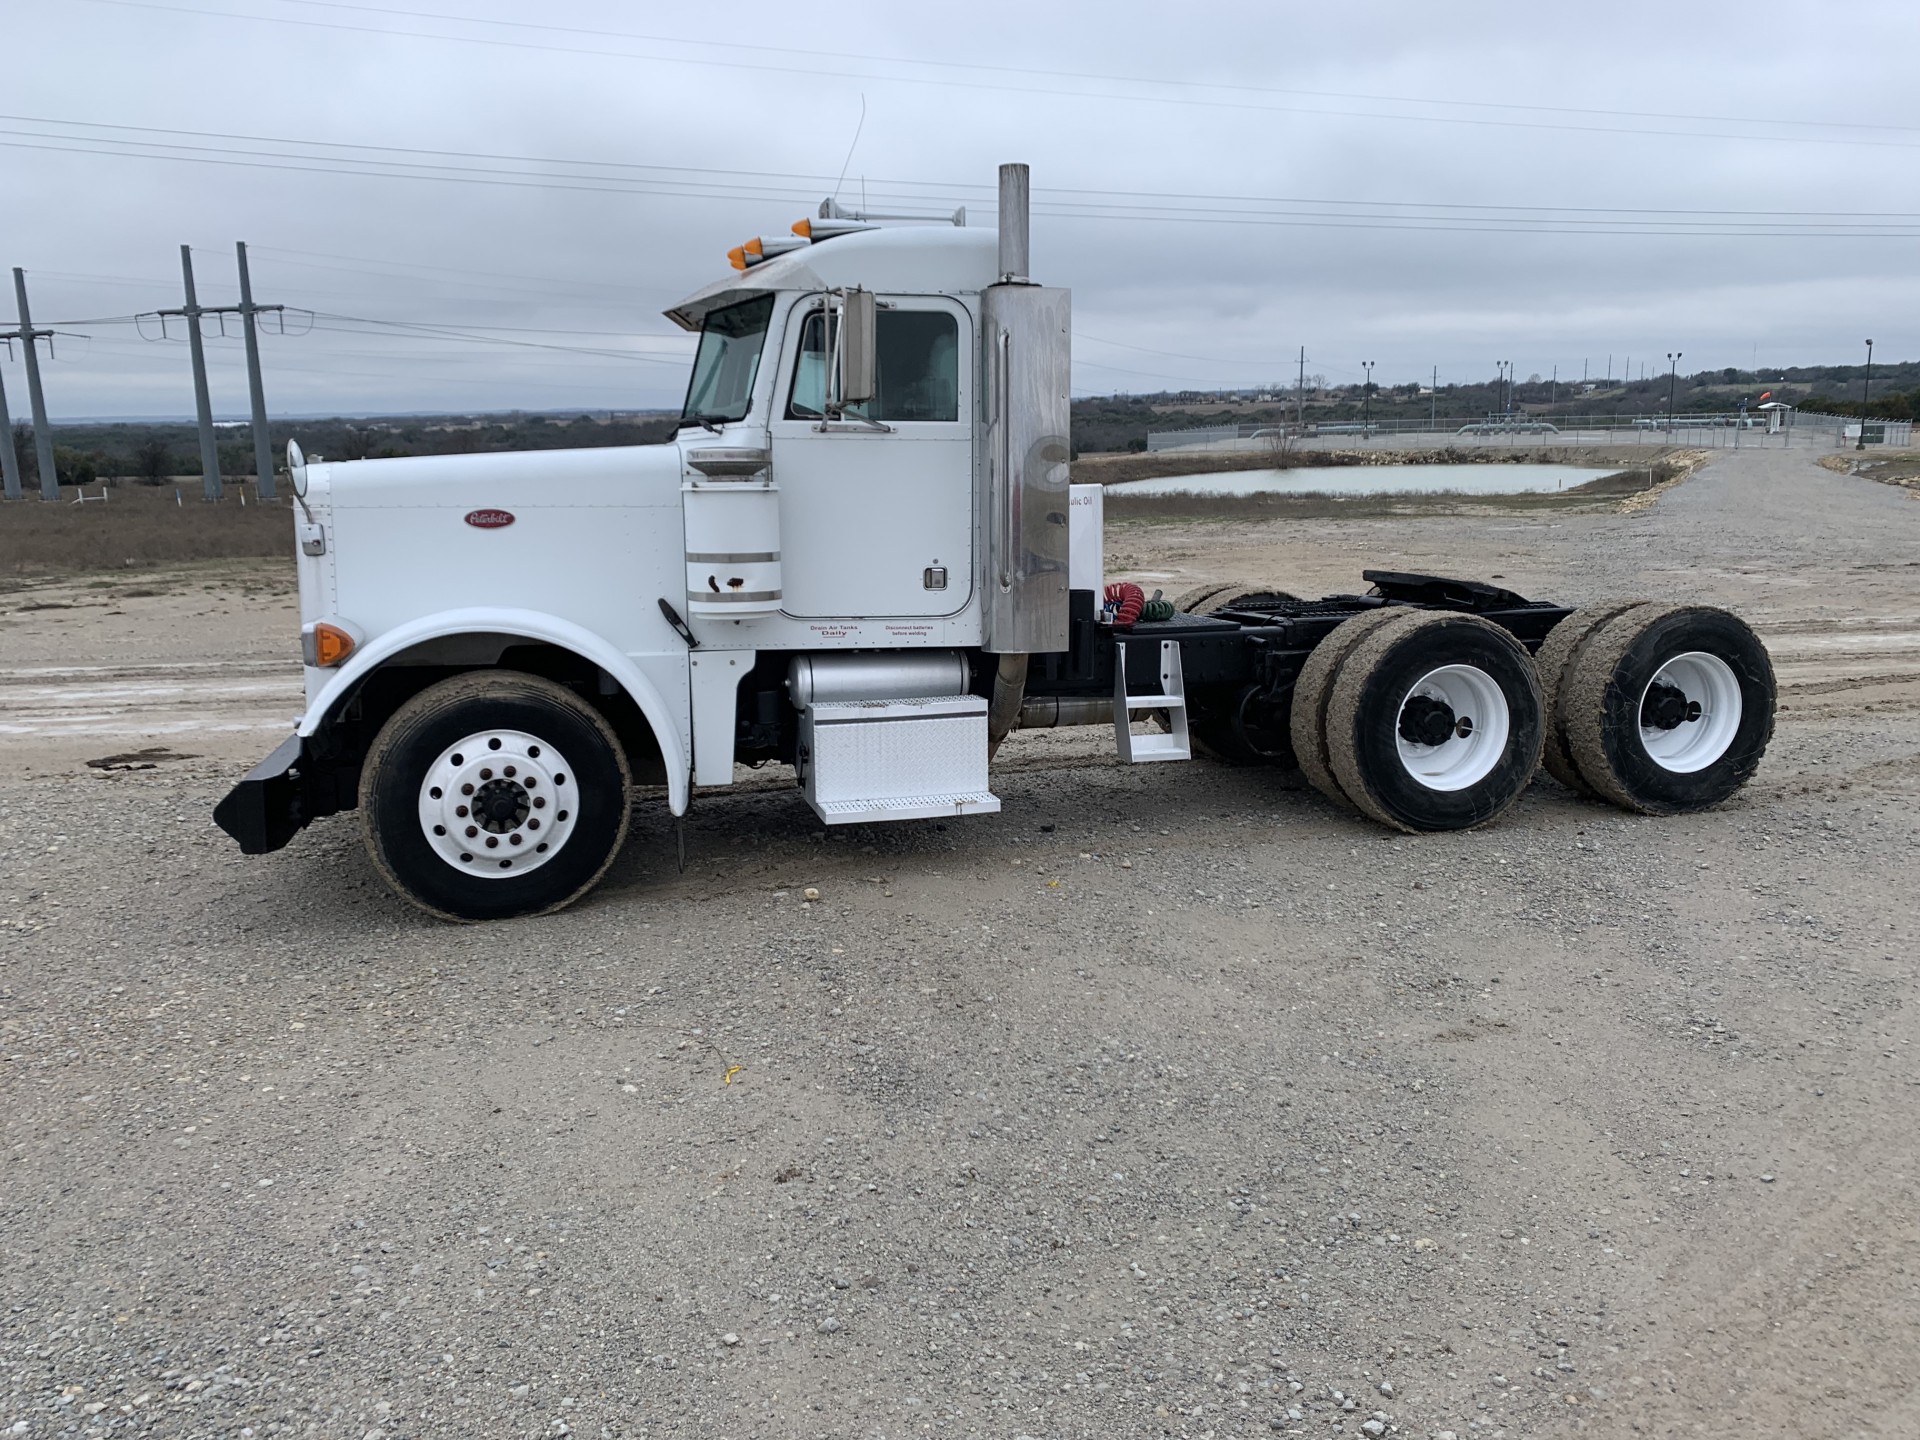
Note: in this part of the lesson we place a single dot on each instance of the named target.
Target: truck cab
(860, 556)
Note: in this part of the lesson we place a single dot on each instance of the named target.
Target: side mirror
(857, 324)
(297, 469)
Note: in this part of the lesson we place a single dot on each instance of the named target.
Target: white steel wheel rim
(498, 804)
(1714, 706)
(1478, 737)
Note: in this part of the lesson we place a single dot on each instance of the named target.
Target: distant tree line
(157, 454)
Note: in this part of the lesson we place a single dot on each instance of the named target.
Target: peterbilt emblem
(489, 519)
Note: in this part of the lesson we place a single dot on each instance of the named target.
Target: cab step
(1142, 749)
(915, 759)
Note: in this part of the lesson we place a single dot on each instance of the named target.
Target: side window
(916, 369)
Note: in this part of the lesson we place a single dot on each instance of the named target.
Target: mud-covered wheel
(1669, 708)
(1434, 723)
(1194, 601)
(1314, 688)
(1238, 594)
(494, 794)
(1554, 663)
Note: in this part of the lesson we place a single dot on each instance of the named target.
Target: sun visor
(785, 273)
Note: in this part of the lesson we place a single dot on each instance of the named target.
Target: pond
(1372, 480)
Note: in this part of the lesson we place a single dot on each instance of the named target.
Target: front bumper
(274, 803)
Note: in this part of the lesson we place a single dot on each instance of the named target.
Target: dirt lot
(1167, 1102)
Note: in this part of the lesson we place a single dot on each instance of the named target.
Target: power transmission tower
(262, 447)
(247, 311)
(36, 400)
(202, 400)
(9, 462)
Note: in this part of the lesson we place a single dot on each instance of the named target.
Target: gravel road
(1168, 1102)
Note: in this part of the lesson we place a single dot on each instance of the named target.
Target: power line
(1426, 216)
(817, 71)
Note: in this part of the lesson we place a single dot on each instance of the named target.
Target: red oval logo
(489, 519)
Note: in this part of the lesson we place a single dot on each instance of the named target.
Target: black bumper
(269, 807)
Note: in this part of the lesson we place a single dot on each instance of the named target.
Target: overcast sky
(1419, 185)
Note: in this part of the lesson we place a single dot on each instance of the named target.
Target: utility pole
(9, 462)
(36, 400)
(1433, 410)
(203, 402)
(191, 312)
(1366, 402)
(1673, 382)
(1300, 396)
(262, 446)
(1866, 385)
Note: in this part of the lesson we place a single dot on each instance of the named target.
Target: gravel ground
(1167, 1102)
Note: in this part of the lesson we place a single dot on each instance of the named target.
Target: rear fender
(525, 625)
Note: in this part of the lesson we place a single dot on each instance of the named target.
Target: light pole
(1673, 383)
(1866, 385)
(1366, 402)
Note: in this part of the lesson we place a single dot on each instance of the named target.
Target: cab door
(876, 508)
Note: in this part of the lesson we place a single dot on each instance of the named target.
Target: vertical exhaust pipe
(1014, 260)
(1010, 676)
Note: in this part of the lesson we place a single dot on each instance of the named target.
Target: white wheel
(1453, 727)
(1690, 712)
(498, 803)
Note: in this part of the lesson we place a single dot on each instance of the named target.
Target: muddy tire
(1435, 723)
(1234, 594)
(1669, 708)
(494, 794)
(1194, 601)
(1314, 688)
(1554, 662)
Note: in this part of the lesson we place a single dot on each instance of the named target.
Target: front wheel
(494, 794)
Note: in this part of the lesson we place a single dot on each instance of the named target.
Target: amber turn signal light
(327, 645)
(803, 228)
(737, 257)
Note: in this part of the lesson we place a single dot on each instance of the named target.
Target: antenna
(858, 127)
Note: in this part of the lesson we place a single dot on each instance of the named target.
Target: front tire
(494, 794)
(1434, 723)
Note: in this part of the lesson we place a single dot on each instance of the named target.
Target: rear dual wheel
(1657, 708)
(1432, 721)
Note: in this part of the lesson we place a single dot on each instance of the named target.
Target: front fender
(527, 625)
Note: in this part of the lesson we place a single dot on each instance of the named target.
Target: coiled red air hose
(1128, 600)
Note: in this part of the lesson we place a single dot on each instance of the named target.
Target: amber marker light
(326, 645)
(754, 248)
(737, 257)
(804, 229)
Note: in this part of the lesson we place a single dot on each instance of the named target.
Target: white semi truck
(860, 555)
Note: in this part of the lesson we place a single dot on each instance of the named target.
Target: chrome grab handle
(1003, 399)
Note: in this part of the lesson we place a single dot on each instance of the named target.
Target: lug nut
(533, 824)
(514, 839)
(493, 842)
(508, 772)
(539, 802)
(461, 811)
(472, 830)
(466, 789)
(486, 774)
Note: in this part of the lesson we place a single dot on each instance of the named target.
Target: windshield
(727, 362)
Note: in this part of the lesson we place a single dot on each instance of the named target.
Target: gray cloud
(1693, 153)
